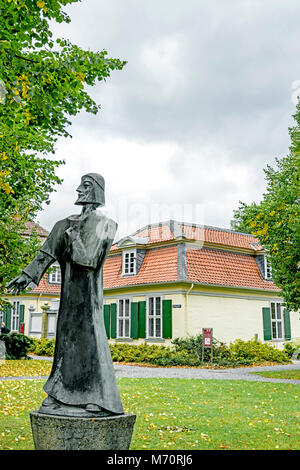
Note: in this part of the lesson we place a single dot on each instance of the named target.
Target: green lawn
(178, 413)
(25, 368)
(281, 374)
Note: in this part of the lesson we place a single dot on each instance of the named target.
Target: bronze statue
(82, 380)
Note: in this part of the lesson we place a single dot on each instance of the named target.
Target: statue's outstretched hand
(18, 284)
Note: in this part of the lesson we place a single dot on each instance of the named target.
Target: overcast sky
(202, 106)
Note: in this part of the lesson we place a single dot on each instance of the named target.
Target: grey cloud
(202, 75)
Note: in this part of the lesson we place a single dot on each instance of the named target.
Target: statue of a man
(82, 380)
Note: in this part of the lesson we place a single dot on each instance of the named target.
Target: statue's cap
(97, 178)
(99, 187)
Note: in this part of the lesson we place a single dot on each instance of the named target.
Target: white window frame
(277, 324)
(268, 269)
(129, 263)
(123, 318)
(15, 316)
(157, 333)
(55, 276)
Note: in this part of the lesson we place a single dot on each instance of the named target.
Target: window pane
(274, 332)
(278, 310)
(151, 329)
(121, 328)
(279, 329)
(151, 306)
(126, 328)
(120, 308)
(157, 305)
(157, 332)
(273, 310)
(127, 308)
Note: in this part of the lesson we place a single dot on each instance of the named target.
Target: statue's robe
(82, 371)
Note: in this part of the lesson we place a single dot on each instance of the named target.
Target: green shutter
(142, 319)
(267, 323)
(21, 316)
(113, 320)
(4, 315)
(7, 316)
(106, 315)
(167, 319)
(287, 324)
(134, 323)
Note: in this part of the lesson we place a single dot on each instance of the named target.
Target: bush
(183, 352)
(17, 345)
(291, 347)
(192, 345)
(151, 354)
(255, 352)
(42, 346)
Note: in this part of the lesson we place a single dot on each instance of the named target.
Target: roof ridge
(175, 223)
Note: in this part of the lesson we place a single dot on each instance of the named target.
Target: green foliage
(275, 221)
(17, 345)
(291, 347)
(43, 82)
(183, 352)
(255, 352)
(42, 346)
(193, 346)
(151, 354)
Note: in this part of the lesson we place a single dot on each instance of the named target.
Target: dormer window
(129, 262)
(268, 269)
(55, 275)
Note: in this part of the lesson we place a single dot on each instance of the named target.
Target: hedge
(184, 352)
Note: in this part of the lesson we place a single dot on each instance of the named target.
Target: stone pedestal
(2, 350)
(72, 433)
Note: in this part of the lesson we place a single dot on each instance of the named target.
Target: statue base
(52, 432)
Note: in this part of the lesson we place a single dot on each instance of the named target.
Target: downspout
(186, 310)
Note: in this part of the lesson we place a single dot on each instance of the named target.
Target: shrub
(42, 346)
(183, 352)
(192, 345)
(291, 347)
(256, 352)
(151, 354)
(17, 345)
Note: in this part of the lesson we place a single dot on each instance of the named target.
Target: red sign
(207, 337)
(22, 326)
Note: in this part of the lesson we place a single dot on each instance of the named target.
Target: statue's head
(91, 190)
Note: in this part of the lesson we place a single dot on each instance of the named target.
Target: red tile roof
(46, 287)
(165, 231)
(30, 226)
(156, 234)
(207, 266)
(159, 265)
(219, 236)
(223, 268)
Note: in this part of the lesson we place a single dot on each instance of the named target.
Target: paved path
(241, 373)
